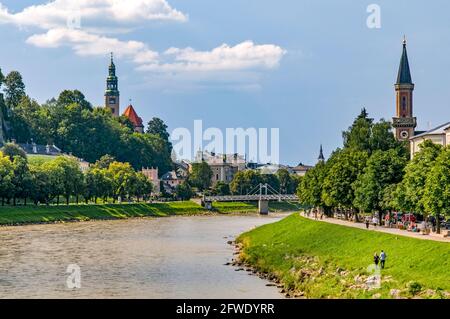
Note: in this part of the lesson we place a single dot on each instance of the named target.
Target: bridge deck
(245, 198)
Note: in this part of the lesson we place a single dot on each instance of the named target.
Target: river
(176, 257)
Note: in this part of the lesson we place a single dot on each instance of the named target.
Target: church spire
(112, 95)
(404, 73)
(404, 122)
(321, 157)
(112, 67)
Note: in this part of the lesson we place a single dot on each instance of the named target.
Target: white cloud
(240, 64)
(243, 56)
(86, 44)
(59, 13)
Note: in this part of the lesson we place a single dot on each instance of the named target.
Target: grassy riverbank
(48, 214)
(320, 260)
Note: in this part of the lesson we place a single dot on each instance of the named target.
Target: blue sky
(306, 67)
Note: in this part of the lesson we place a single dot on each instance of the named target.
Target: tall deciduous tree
(14, 89)
(157, 127)
(344, 168)
(72, 178)
(411, 191)
(123, 177)
(2, 78)
(201, 175)
(310, 188)
(22, 180)
(68, 97)
(184, 191)
(6, 177)
(383, 169)
(437, 188)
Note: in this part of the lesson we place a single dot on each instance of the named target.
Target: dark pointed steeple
(112, 95)
(321, 157)
(404, 74)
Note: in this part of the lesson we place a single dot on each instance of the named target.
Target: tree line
(372, 173)
(75, 126)
(48, 181)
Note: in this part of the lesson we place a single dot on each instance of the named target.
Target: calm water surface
(177, 257)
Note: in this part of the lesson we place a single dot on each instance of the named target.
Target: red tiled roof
(132, 116)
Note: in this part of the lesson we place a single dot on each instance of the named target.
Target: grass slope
(30, 214)
(37, 214)
(321, 260)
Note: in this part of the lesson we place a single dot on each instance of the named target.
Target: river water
(176, 257)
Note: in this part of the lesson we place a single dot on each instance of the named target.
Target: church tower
(321, 157)
(404, 123)
(112, 96)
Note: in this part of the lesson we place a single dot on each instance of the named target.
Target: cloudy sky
(306, 67)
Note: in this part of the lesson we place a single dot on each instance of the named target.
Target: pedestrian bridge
(263, 194)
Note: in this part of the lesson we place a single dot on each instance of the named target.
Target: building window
(404, 103)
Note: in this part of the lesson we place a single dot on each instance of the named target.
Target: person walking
(376, 259)
(382, 259)
(367, 222)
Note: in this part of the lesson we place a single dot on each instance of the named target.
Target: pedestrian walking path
(381, 229)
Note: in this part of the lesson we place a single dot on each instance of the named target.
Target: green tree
(68, 97)
(411, 191)
(72, 178)
(358, 135)
(12, 150)
(344, 167)
(6, 177)
(285, 180)
(104, 162)
(47, 182)
(310, 188)
(245, 181)
(142, 187)
(122, 176)
(26, 121)
(14, 89)
(365, 135)
(157, 127)
(384, 168)
(437, 188)
(2, 78)
(22, 180)
(184, 191)
(98, 185)
(201, 176)
(221, 189)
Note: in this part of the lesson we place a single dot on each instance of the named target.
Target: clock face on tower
(404, 134)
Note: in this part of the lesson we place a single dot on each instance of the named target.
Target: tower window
(404, 103)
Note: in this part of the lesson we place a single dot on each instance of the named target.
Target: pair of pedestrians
(381, 259)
